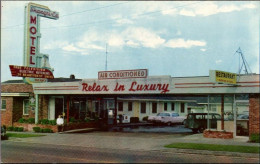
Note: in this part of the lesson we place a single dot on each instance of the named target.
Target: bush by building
(254, 138)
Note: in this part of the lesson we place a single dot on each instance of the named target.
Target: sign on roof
(123, 74)
(223, 77)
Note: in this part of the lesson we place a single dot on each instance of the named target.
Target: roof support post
(36, 108)
(222, 112)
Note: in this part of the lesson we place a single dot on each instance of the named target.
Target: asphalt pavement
(139, 141)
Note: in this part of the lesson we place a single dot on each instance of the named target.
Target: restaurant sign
(223, 77)
(22, 71)
(123, 74)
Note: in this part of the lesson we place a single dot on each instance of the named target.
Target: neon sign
(32, 35)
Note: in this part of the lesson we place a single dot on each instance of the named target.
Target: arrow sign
(23, 71)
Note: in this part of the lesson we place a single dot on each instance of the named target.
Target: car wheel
(201, 129)
(169, 123)
(194, 130)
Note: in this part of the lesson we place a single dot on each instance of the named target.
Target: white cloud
(144, 37)
(211, 8)
(218, 61)
(181, 43)
(115, 40)
(203, 49)
(187, 13)
(132, 43)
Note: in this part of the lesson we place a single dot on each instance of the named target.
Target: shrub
(46, 130)
(134, 119)
(52, 122)
(10, 128)
(22, 120)
(254, 138)
(44, 121)
(20, 129)
(145, 118)
(87, 120)
(31, 120)
(41, 130)
(36, 129)
(72, 119)
(16, 129)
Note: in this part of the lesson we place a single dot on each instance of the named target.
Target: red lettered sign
(22, 71)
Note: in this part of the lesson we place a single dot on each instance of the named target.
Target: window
(213, 108)
(175, 115)
(3, 105)
(130, 106)
(173, 106)
(182, 107)
(165, 106)
(120, 106)
(143, 107)
(25, 107)
(154, 107)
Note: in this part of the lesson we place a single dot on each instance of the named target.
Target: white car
(174, 118)
(165, 117)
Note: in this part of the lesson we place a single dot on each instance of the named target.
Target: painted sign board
(223, 77)
(32, 35)
(32, 72)
(123, 74)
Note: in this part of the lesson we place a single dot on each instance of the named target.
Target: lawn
(213, 147)
(23, 135)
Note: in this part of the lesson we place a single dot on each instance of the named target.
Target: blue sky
(168, 38)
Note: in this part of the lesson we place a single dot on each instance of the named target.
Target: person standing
(60, 123)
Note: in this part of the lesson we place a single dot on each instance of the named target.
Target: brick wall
(217, 134)
(6, 115)
(254, 110)
(16, 88)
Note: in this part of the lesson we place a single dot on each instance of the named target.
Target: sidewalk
(138, 142)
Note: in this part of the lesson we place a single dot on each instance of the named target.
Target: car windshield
(175, 114)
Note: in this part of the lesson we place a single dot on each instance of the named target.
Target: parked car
(174, 118)
(166, 117)
(239, 117)
(158, 117)
(198, 121)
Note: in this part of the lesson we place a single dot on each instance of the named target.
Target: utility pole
(106, 58)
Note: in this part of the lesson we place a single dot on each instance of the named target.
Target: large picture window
(130, 106)
(165, 106)
(143, 107)
(25, 107)
(154, 107)
(3, 105)
(173, 106)
(182, 107)
(120, 106)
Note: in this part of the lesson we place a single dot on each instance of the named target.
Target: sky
(176, 38)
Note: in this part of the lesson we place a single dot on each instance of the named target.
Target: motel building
(131, 92)
(137, 96)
